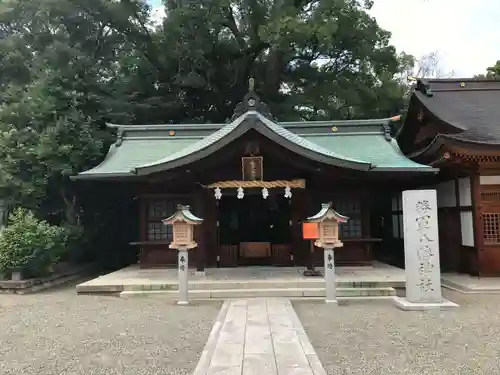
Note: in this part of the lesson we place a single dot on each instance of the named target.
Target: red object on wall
(310, 231)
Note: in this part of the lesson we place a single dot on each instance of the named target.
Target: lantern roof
(183, 214)
(327, 212)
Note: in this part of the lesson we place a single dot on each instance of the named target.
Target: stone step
(448, 284)
(94, 286)
(268, 292)
(223, 285)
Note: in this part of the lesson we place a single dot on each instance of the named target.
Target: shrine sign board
(421, 246)
(252, 168)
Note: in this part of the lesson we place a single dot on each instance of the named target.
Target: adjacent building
(454, 125)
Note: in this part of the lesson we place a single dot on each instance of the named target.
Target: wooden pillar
(143, 230)
(200, 204)
(210, 228)
(299, 249)
(457, 251)
(366, 229)
(476, 216)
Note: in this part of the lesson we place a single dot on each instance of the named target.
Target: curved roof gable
(364, 145)
(470, 106)
(241, 125)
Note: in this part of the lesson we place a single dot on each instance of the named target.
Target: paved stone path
(258, 336)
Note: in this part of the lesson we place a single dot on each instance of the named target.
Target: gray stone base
(36, 285)
(404, 304)
(200, 274)
(312, 273)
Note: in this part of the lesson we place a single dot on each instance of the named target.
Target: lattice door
(490, 214)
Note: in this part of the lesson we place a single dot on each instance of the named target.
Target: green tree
(196, 64)
(492, 72)
(67, 66)
(55, 62)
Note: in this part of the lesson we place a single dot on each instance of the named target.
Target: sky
(464, 33)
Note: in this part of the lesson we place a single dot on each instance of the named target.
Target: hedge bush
(30, 245)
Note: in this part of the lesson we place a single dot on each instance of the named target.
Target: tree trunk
(70, 208)
(274, 70)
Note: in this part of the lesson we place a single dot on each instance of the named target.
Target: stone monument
(183, 222)
(421, 244)
(328, 221)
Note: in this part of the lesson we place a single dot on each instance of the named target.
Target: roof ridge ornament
(424, 87)
(251, 85)
(251, 102)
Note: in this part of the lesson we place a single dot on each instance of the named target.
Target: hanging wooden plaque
(252, 168)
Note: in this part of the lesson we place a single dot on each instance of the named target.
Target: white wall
(467, 228)
(464, 192)
(489, 180)
(446, 198)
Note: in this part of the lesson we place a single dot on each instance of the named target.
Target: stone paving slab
(258, 337)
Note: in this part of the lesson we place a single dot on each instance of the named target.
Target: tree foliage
(29, 244)
(68, 66)
(492, 72)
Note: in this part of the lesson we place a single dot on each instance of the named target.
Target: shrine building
(454, 125)
(254, 180)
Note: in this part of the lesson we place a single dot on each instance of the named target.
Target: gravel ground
(372, 338)
(62, 333)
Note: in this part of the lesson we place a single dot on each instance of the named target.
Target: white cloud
(465, 33)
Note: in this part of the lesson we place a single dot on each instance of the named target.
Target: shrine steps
(288, 282)
(202, 294)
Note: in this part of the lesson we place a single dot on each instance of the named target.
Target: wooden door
(449, 239)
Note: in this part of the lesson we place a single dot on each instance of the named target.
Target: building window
(491, 228)
(397, 216)
(159, 232)
(351, 229)
(156, 211)
(351, 208)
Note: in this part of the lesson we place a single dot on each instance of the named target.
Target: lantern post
(183, 222)
(328, 220)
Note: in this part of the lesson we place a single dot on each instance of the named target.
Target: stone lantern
(183, 222)
(328, 221)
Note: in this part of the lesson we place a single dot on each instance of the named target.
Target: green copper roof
(383, 154)
(364, 145)
(133, 153)
(256, 121)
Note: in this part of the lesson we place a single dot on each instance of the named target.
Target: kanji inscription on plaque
(421, 244)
